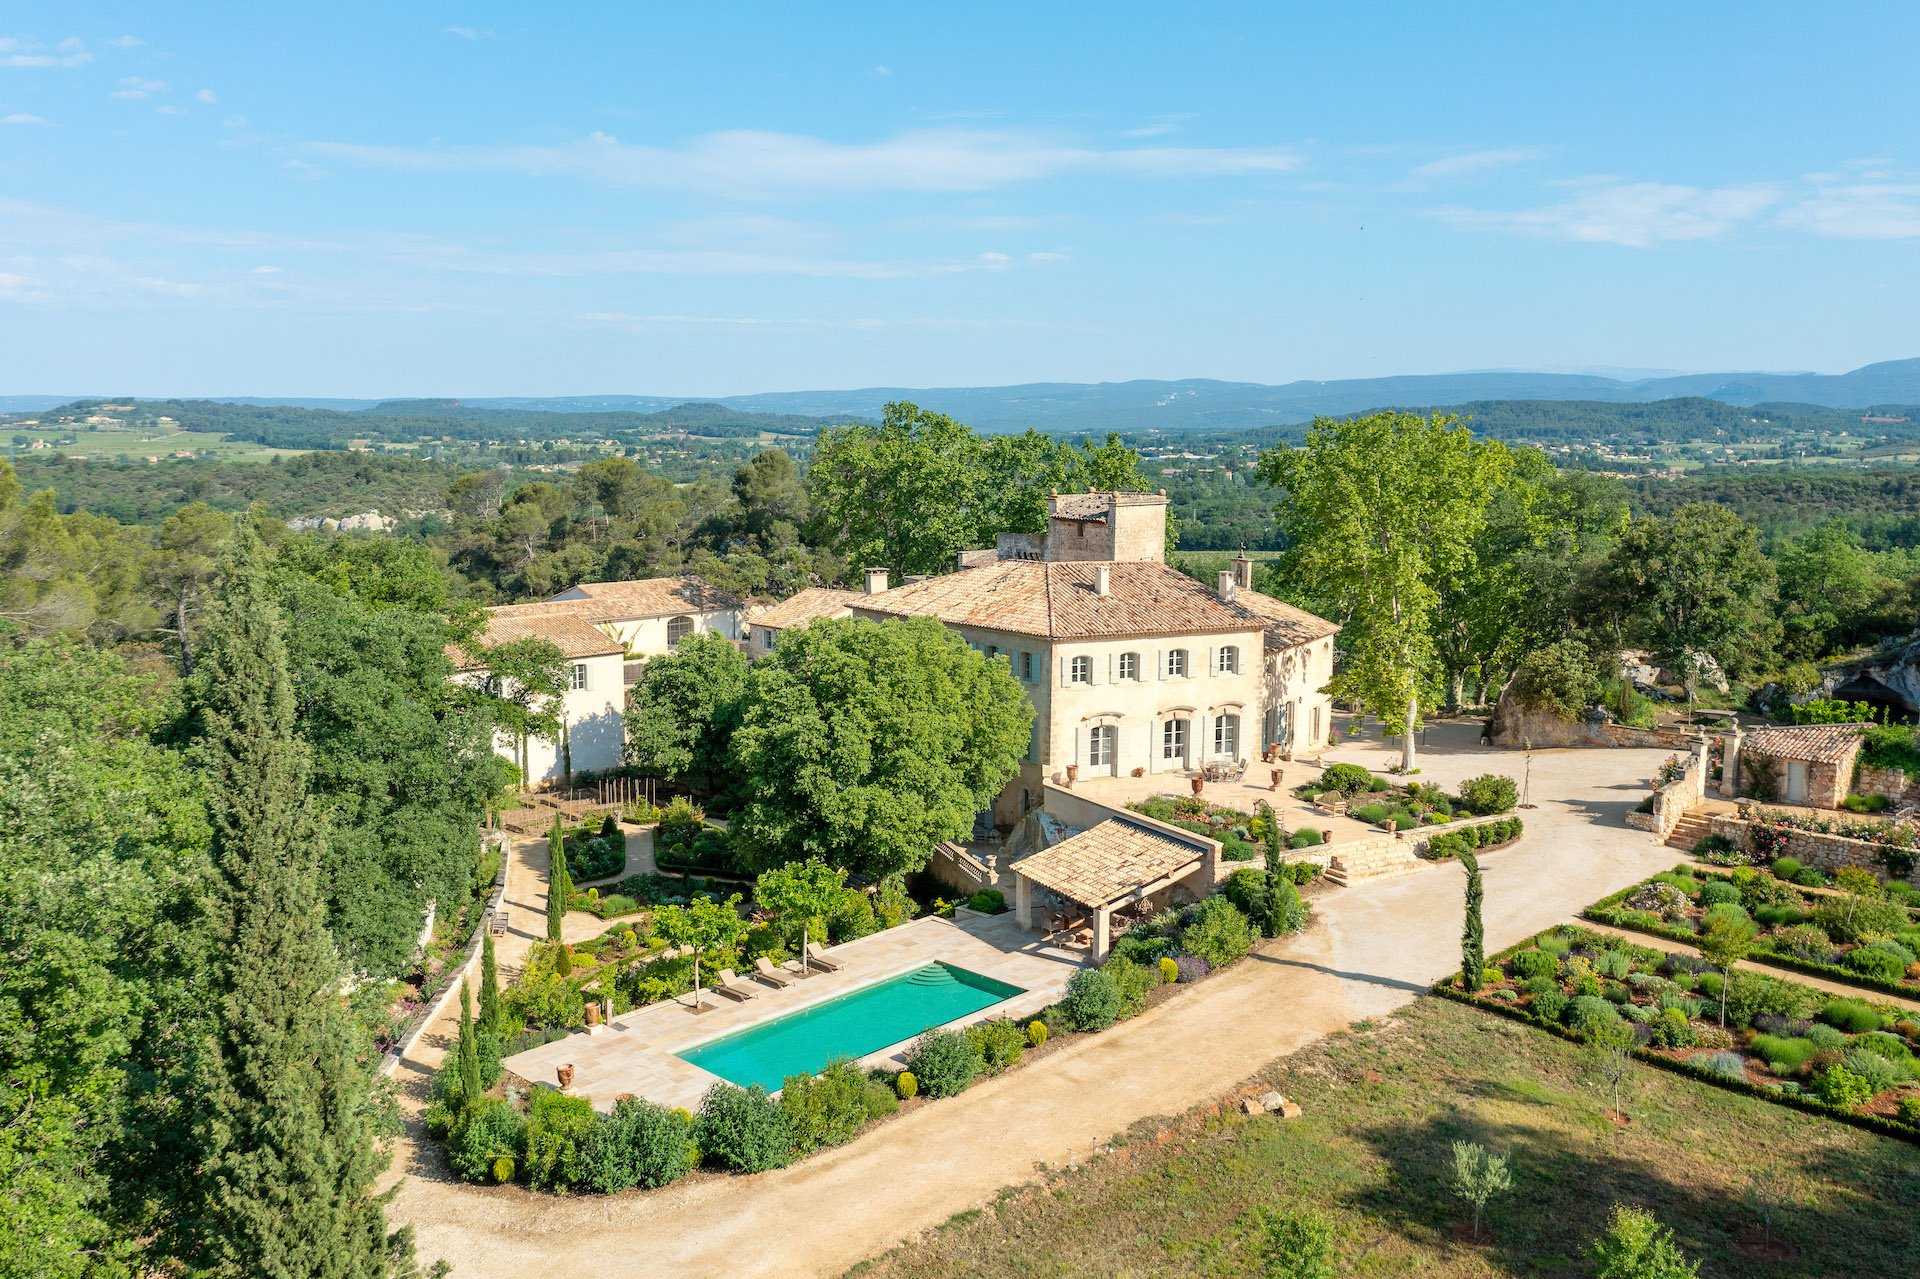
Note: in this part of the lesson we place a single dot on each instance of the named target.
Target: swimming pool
(852, 1025)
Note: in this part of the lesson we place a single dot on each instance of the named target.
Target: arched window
(678, 628)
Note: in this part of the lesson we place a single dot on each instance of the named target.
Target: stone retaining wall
(1671, 802)
(1515, 727)
(1894, 783)
(1827, 852)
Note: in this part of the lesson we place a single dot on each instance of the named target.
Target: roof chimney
(1243, 572)
(1103, 580)
(876, 580)
(1227, 586)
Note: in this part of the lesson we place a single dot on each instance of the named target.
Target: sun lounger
(739, 989)
(817, 959)
(763, 970)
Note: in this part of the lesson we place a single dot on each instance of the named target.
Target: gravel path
(1371, 948)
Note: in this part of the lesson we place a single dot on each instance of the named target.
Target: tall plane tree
(1380, 516)
(285, 1095)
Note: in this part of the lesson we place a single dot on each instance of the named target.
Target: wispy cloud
(21, 117)
(470, 33)
(761, 163)
(1160, 126)
(1461, 163)
(207, 95)
(126, 42)
(883, 70)
(16, 51)
(135, 87)
(1635, 214)
(1869, 207)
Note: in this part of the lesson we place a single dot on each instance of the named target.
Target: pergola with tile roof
(1117, 862)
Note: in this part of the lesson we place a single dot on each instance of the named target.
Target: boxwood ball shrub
(944, 1063)
(743, 1129)
(1348, 779)
(639, 1144)
(494, 1131)
(1037, 1032)
(1716, 891)
(1091, 1002)
(1169, 969)
(906, 1085)
(1550, 1004)
(1534, 963)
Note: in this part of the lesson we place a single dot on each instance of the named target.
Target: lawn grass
(1382, 1107)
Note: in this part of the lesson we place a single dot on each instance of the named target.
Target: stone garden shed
(1809, 764)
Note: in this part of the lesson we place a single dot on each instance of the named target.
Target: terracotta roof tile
(805, 606)
(1109, 861)
(564, 624)
(1815, 743)
(1059, 601)
(649, 597)
(1286, 625)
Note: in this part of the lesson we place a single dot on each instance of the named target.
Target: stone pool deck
(635, 1053)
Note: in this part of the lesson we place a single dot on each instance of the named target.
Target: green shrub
(852, 916)
(1297, 1245)
(1132, 981)
(1850, 1015)
(1910, 1109)
(559, 1133)
(1784, 1055)
(1718, 891)
(1729, 913)
(988, 901)
(1374, 814)
(494, 1130)
(1786, 867)
(1587, 1013)
(944, 1063)
(1885, 1045)
(1092, 1002)
(1881, 965)
(1169, 970)
(1550, 1004)
(1753, 994)
(1303, 838)
(998, 1043)
(1823, 1036)
(743, 1129)
(1878, 1073)
(680, 822)
(881, 1100)
(639, 1144)
(1247, 890)
(1802, 941)
(1218, 933)
(1865, 803)
(1838, 1086)
(1758, 889)
(1671, 1029)
(828, 1109)
(1853, 919)
(1488, 794)
(1037, 1032)
(1348, 779)
(906, 1085)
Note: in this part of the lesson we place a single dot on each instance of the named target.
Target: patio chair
(764, 971)
(817, 958)
(734, 987)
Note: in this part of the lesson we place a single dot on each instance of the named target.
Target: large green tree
(682, 714)
(1381, 513)
(1689, 585)
(864, 744)
(285, 1101)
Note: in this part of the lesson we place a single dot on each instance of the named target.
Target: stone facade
(1895, 784)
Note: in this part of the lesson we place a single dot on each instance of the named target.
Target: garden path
(1757, 963)
(1371, 949)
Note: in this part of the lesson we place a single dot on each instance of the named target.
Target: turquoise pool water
(853, 1025)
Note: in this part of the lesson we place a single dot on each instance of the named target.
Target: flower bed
(1783, 1041)
(1867, 939)
(1240, 834)
(1379, 802)
(1485, 836)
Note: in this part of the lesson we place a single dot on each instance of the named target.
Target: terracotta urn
(1198, 783)
(566, 1076)
(1326, 835)
(1393, 825)
(593, 1012)
(1279, 775)
(1073, 773)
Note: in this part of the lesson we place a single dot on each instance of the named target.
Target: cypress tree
(469, 1052)
(1274, 924)
(558, 888)
(491, 1014)
(284, 1096)
(1473, 951)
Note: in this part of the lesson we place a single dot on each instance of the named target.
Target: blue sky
(417, 199)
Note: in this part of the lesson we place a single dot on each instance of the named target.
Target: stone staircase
(1372, 859)
(1693, 827)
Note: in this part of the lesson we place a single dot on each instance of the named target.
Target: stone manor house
(1133, 668)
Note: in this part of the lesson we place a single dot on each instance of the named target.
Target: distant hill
(1187, 405)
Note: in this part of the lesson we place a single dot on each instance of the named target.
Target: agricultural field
(108, 433)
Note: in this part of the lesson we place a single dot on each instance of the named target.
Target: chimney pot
(1103, 580)
(1243, 572)
(876, 580)
(1226, 585)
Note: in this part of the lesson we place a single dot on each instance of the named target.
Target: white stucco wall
(595, 729)
(647, 636)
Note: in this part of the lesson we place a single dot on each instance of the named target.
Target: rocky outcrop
(1890, 676)
(1515, 726)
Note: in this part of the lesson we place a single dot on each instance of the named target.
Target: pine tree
(469, 1051)
(284, 1095)
(491, 1014)
(1473, 948)
(558, 887)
